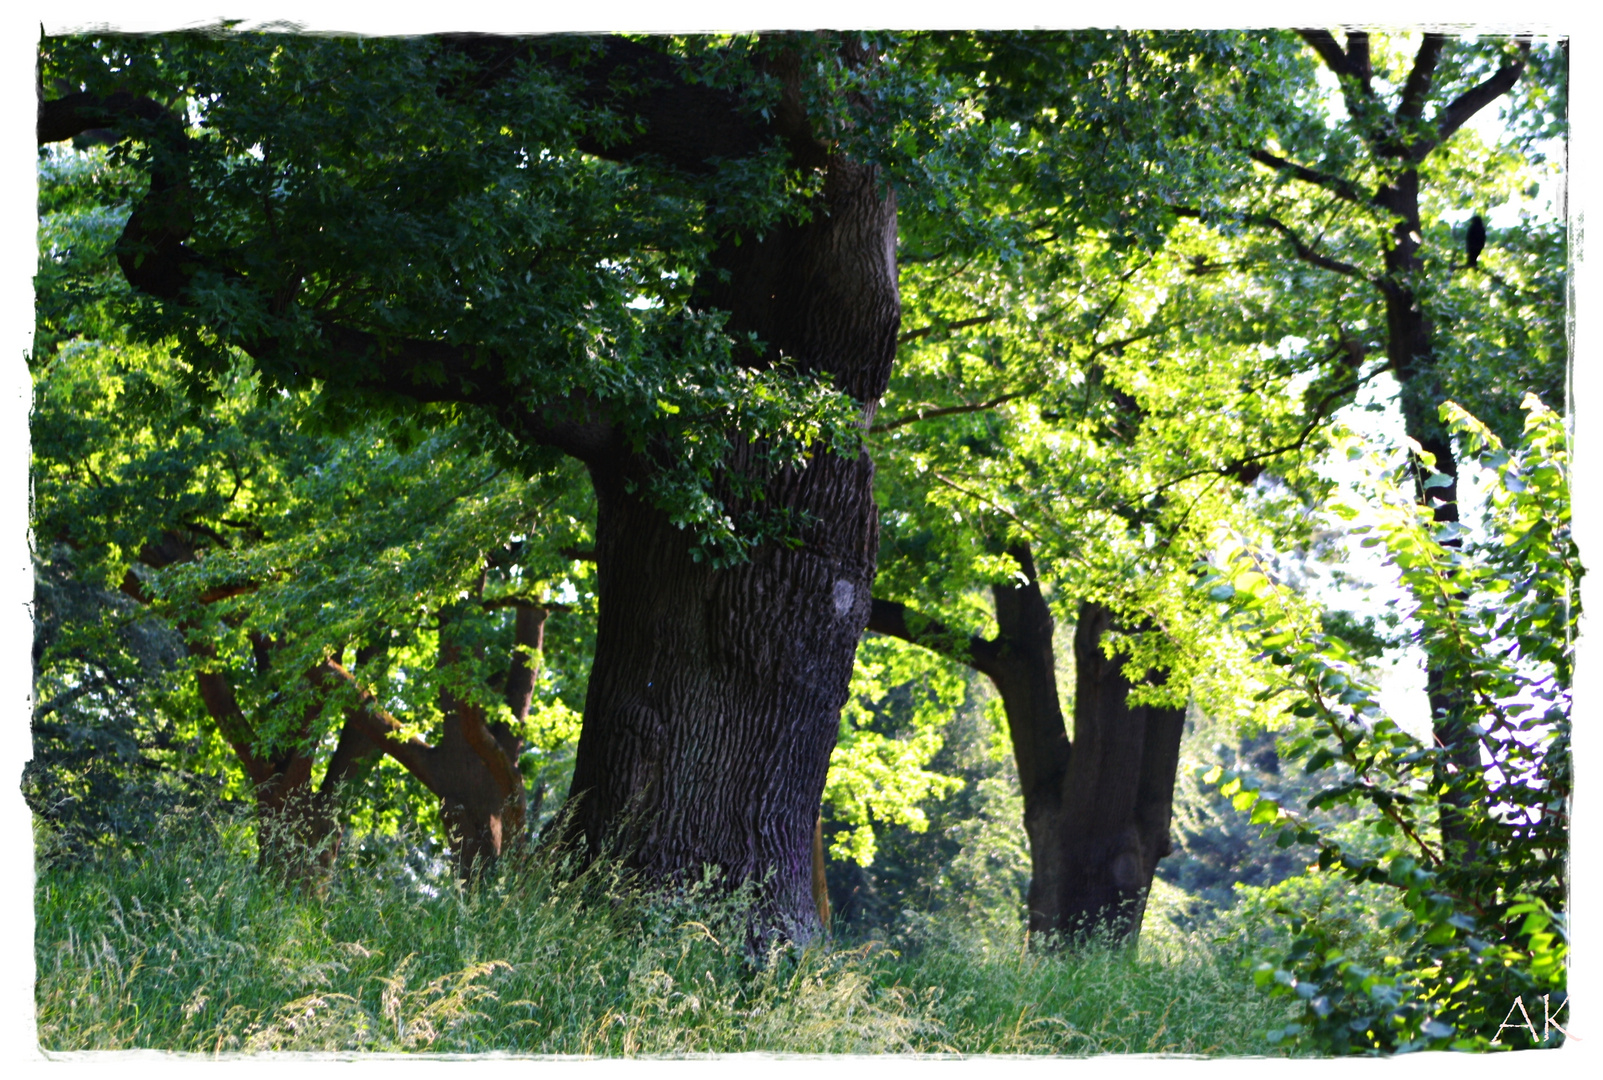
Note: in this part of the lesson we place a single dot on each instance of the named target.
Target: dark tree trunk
(1412, 357)
(1401, 141)
(1024, 671)
(1118, 793)
(1096, 811)
(715, 696)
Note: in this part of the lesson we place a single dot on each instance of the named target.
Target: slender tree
(1375, 166)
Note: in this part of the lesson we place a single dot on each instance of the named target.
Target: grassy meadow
(187, 947)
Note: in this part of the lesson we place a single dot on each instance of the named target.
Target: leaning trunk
(1024, 671)
(715, 694)
(297, 831)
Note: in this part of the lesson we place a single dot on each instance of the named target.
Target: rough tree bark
(715, 693)
(1096, 809)
(715, 696)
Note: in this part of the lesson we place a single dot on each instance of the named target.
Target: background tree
(256, 547)
(1483, 892)
(1442, 328)
(1253, 393)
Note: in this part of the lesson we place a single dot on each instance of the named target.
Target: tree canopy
(498, 414)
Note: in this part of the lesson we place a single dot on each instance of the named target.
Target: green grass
(188, 948)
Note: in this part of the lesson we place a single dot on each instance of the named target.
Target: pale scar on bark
(844, 595)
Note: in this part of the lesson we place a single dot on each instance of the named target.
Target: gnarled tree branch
(900, 621)
(1460, 109)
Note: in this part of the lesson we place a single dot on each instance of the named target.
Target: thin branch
(1306, 253)
(1238, 466)
(1334, 184)
(960, 324)
(952, 410)
(67, 697)
(226, 592)
(523, 602)
(1119, 343)
(208, 532)
(987, 500)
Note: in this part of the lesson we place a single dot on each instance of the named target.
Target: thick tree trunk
(482, 800)
(1096, 810)
(1118, 794)
(299, 825)
(715, 695)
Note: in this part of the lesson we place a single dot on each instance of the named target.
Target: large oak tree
(675, 261)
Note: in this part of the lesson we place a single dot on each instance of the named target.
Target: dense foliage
(1496, 608)
(324, 326)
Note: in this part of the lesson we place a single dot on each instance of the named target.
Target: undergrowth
(188, 947)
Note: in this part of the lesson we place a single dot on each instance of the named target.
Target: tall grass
(188, 947)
